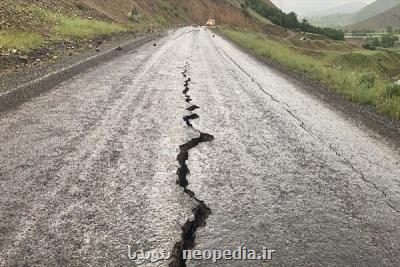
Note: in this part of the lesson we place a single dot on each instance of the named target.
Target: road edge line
(24, 92)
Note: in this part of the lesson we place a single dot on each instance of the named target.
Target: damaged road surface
(193, 144)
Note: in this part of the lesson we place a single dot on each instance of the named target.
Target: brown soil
(16, 14)
(175, 11)
(188, 11)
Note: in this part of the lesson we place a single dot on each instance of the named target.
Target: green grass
(76, 27)
(160, 20)
(59, 26)
(22, 40)
(361, 76)
(81, 28)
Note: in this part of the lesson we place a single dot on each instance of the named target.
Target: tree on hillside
(375, 42)
(388, 40)
(290, 20)
(135, 12)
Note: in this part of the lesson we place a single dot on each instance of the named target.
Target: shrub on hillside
(82, 6)
(392, 90)
(388, 40)
(160, 20)
(136, 18)
(369, 46)
(367, 80)
(375, 42)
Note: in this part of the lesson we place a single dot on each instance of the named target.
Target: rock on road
(91, 166)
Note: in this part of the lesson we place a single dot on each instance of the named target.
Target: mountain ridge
(389, 18)
(374, 9)
(348, 8)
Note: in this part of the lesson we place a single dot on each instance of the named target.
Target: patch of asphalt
(386, 126)
(272, 177)
(303, 126)
(22, 85)
(97, 168)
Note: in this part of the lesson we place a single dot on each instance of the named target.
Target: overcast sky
(303, 7)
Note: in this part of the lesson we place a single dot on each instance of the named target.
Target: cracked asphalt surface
(96, 165)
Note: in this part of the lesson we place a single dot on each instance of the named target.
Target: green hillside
(381, 22)
(374, 9)
(359, 19)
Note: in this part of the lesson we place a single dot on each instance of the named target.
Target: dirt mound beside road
(19, 14)
(177, 11)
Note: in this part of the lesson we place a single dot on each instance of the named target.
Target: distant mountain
(348, 8)
(389, 18)
(374, 9)
(336, 17)
(331, 21)
(371, 16)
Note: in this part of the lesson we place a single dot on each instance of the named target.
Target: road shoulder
(20, 86)
(384, 125)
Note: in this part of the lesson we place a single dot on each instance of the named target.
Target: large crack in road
(201, 211)
(87, 168)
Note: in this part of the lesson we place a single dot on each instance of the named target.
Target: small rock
(14, 51)
(38, 60)
(55, 57)
(119, 48)
(24, 59)
(97, 49)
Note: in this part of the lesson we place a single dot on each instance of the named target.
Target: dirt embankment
(15, 14)
(20, 15)
(177, 11)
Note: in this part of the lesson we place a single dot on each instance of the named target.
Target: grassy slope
(44, 22)
(362, 76)
(50, 26)
(22, 40)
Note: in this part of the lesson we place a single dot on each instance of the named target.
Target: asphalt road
(112, 158)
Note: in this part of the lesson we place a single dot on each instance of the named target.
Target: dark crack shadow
(201, 212)
(192, 108)
(189, 118)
